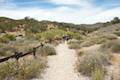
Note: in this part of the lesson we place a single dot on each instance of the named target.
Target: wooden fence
(18, 55)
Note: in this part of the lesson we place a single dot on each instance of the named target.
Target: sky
(70, 11)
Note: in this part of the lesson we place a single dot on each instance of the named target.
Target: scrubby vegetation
(7, 37)
(7, 49)
(74, 44)
(97, 39)
(26, 68)
(56, 34)
(47, 50)
(113, 46)
(117, 33)
(31, 32)
(98, 74)
(89, 62)
(22, 70)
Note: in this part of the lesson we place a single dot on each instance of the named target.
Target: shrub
(4, 39)
(89, 62)
(47, 50)
(7, 49)
(97, 39)
(113, 46)
(98, 74)
(24, 70)
(7, 37)
(10, 37)
(116, 48)
(29, 35)
(18, 45)
(74, 44)
(110, 37)
(117, 33)
(80, 52)
(74, 35)
(115, 20)
(92, 40)
(52, 35)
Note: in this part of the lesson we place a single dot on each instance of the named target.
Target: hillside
(10, 24)
(73, 51)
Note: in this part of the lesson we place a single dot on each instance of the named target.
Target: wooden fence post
(17, 56)
(42, 44)
(34, 53)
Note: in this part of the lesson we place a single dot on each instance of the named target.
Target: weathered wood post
(34, 53)
(42, 44)
(17, 56)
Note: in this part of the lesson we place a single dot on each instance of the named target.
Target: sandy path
(61, 66)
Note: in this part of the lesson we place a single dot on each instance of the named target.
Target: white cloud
(78, 3)
(106, 15)
(68, 2)
(63, 13)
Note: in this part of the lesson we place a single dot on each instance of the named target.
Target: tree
(115, 20)
(27, 18)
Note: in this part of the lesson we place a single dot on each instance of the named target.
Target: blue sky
(72, 11)
(34, 3)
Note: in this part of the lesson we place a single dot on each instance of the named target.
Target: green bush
(6, 50)
(74, 35)
(7, 37)
(50, 35)
(47, 50)
(98, 74)
(74, 44)
(55, 34)
(4, 39)
(29, 35)
(115, 20)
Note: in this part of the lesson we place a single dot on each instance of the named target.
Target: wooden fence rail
(18, 55)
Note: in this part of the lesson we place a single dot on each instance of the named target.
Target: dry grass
(117, 33)
(9, 49)
(7, 37)
(89, 62)
(80, 52)
(93, 39)
(28, 67)
(47, 50)
(23, 70)
(113, 46)
(17, 46)
(74, 44)
(98, 74)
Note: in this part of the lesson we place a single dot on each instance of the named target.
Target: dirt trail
(61, 66)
